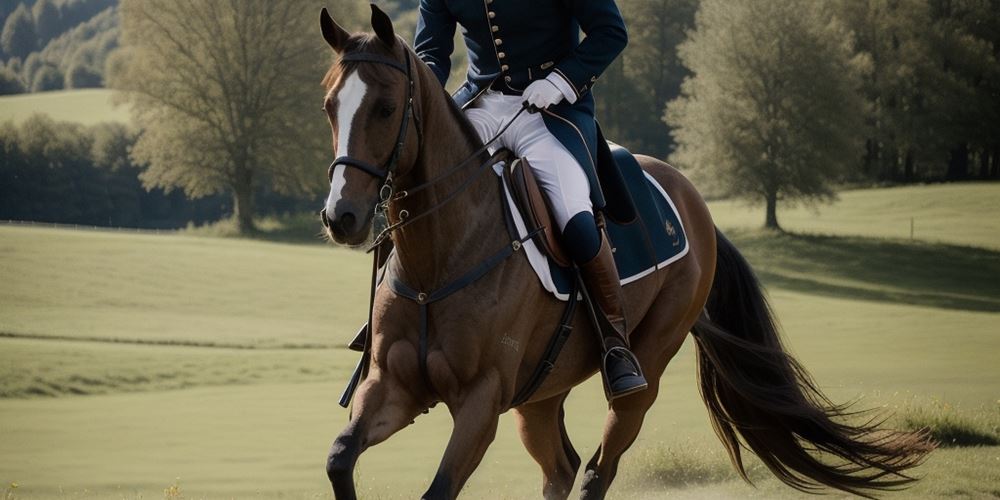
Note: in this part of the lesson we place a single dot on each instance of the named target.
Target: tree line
(73, 174)
(777, 101)
(790, 98)
(49, 45)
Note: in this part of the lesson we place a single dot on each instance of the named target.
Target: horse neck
(464, 231)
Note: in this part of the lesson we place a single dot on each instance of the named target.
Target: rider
(528, 52)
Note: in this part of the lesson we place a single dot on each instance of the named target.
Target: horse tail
(759, 394)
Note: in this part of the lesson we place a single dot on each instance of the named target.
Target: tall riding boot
(622, 374)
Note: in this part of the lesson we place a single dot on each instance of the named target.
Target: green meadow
(179, 365)
(87, 106)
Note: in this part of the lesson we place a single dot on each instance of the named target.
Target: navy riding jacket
(514, 42)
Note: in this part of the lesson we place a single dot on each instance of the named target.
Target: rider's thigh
(485, 122)
(556, 169)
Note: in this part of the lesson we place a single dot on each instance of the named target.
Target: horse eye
(386, 110)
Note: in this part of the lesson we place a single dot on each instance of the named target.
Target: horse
(482, 341)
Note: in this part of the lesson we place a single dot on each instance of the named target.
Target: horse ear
(332, 32)
(383, 26)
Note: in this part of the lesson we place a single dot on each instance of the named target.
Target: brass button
(507, 79)
(497, 41)
(492, 14)
(495, 28)
(504, 67)
(501, 55)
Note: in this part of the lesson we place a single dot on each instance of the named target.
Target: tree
(225, 94)
(632, 92)
(656, 29)
(934, 87)
(81, 76)
(47, 22)
(47, 77)
(966, 33)
(773, 109)
(906, 88)
(18, 37)
(10, 82)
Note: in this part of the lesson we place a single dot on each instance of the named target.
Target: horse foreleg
(475, 425)
(382, 406)
(543, 433)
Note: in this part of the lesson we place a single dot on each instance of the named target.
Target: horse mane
(366, 42)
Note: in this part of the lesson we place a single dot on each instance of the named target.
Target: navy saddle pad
(649, 242)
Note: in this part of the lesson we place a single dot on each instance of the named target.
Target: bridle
(387, 171)
(389, 167)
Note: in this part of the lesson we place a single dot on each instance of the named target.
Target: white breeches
(555, 168)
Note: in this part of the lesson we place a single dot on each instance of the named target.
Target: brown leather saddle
(535, 210)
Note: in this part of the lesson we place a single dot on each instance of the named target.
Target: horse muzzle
(346, 225)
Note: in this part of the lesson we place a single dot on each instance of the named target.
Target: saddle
(534, 207)
(533, 204)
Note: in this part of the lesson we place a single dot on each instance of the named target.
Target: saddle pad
(635, 255)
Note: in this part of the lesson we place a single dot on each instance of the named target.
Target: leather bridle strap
(389, 167)
(362, 165)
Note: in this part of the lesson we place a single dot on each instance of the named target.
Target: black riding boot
(620, 368)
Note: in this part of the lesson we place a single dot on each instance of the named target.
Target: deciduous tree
(227, 95)
(773, 109)
(19, 37)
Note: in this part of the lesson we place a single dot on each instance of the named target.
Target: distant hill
(56, 44)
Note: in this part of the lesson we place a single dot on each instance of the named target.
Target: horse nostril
(324, 219)
(347, 221)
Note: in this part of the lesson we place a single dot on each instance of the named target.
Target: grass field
(941, 213)
(88, 106)
(135, 363)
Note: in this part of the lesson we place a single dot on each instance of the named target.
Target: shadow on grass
(916, 273)
(951, 427)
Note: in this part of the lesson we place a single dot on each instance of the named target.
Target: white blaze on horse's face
(349, 98)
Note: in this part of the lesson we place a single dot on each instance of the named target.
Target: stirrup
(627, 384)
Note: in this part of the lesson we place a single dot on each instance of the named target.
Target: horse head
(369, 103)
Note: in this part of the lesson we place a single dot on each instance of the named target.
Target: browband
(375, 58)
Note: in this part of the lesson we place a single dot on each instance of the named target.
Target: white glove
(542, 94)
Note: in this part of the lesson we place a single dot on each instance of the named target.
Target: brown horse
(485, 339)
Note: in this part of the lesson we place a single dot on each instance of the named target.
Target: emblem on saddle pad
(672, 232)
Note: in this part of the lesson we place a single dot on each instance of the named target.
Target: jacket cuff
(564, 86)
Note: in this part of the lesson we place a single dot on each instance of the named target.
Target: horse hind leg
(655, 342)
(543, 432)
(625, 417)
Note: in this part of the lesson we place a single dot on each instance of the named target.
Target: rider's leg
(485, 115)
(568, 190)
